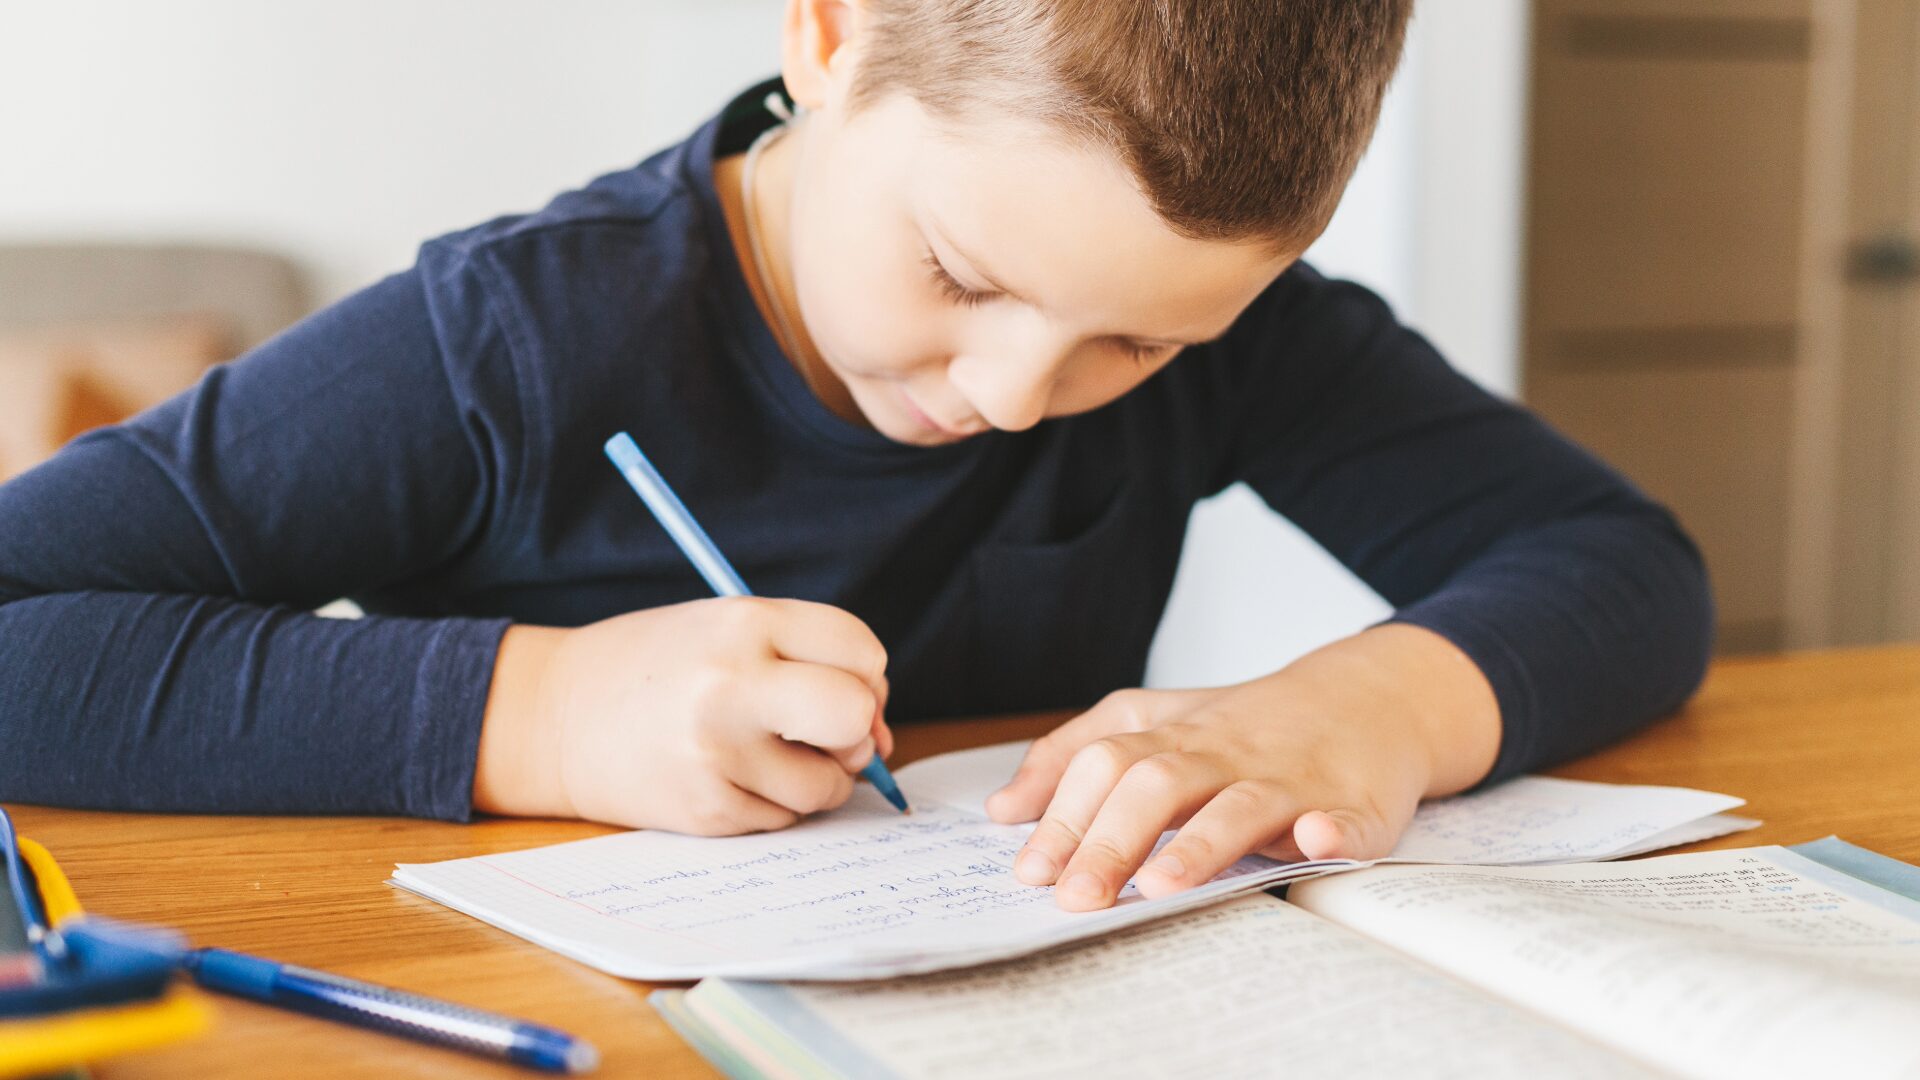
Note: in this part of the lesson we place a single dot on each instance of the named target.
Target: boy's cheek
(862, 334)
(866, 298)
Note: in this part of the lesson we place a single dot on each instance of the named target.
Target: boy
(949, 357)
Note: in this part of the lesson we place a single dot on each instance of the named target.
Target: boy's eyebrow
(993, 283)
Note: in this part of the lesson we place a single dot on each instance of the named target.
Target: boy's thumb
(1341, 833)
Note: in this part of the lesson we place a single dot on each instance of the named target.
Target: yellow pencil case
(35, 1045)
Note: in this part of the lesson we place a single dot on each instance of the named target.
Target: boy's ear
(813, 47)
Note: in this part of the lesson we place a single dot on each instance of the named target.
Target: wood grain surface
(1817, 743)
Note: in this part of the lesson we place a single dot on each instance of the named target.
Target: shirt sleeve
(1581, 600)
(157, 580)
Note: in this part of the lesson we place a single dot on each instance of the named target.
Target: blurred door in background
(1876, 577)
(1723, 289)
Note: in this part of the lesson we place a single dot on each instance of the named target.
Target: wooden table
(1817, 743)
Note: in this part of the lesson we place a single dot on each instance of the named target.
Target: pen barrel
(674, 517)
(396, 1012)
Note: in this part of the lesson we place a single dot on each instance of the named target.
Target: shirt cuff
(448, 706)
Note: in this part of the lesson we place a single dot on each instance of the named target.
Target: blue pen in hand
(706, 558)
(396, 1012)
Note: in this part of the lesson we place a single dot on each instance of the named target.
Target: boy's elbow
(1690, 613)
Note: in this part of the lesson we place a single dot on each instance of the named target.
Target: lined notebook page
(863, 892)
(860, 892)
(1536, 819)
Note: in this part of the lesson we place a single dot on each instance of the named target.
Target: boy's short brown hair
(1240, 119)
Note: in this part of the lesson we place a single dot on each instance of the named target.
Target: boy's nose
(1008, 392)
(1014, 407)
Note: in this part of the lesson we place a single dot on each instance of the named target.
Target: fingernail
(1082, 886)
(1168, 866)
(1034, 867)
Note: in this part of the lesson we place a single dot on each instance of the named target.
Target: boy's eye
(951, 288)
(1142, 352)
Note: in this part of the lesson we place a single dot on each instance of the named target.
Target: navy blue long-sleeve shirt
(430, 447)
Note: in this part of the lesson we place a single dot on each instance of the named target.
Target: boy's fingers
(1034, 782)
(1026, 795)
(1090, 777)
(754, 813)
(810, 703)
(727, 812)
(1154, 793)
(792, 776)
(811, 633)
(882, 734)
(1242, 818)
(855, 759)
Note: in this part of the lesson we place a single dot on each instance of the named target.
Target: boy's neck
(770, 216)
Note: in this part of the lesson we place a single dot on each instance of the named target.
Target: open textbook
(1751, 963)
(864, 892)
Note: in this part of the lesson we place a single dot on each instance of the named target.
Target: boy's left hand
(1327, 758)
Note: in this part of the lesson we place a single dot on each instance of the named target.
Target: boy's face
(955, 276)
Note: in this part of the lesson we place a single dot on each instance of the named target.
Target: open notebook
(863, 892)
(1750, 963)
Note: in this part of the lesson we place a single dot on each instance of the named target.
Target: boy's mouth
(933, 426)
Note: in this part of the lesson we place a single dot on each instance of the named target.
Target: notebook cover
(1870, 866)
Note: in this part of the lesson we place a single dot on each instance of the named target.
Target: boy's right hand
(719, 716)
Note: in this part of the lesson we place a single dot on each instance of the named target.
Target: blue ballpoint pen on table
(396, 1012)
(91, 961)
(713, 566)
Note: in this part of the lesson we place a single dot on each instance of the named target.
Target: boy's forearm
(302, 714)
(517, 772)
(1417, 674)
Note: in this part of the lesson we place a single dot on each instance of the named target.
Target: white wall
(343, 132)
